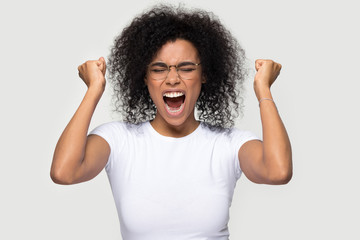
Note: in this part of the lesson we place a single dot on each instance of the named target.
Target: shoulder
(232, 134)
(111, 125)
(238, 134)
(229, 137)
(118, 126)
(240, 137)
(116, 132)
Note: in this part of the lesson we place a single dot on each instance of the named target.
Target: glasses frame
(169, 69)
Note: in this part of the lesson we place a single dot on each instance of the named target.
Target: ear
(203, 79)
(145, 81)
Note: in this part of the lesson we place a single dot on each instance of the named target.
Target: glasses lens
(187, 70)
(158, 71)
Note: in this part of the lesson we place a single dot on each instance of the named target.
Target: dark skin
(78, 157)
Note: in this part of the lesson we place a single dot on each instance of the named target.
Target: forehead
(176, 51)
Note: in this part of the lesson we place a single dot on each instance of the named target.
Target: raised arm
(78, 158)
(268, 161)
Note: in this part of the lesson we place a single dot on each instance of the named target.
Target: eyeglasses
(185, 70)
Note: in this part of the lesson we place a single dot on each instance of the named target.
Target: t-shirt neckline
(167, 138)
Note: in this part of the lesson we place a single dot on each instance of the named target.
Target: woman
(172, 174)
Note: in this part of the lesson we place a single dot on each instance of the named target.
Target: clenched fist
(93, 73)
(267, 72)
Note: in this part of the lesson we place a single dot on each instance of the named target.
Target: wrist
(262, 92)
(95, 92)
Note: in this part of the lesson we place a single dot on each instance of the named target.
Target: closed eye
(158, 70)
(187, 69)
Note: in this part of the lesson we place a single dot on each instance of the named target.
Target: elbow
(60, 177)
(281, 177)
(281, 174)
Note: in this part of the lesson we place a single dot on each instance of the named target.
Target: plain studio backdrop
(317, 42)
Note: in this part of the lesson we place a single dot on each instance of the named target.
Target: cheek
(154, 95)
(195, 93)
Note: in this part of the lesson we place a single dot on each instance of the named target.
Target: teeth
(173, 94)
(172, 110)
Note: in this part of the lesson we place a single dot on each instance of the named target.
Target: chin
(177, 119)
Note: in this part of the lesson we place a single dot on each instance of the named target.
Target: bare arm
(269, 161)
(79, 158)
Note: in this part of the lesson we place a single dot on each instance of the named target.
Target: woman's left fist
(267, 72)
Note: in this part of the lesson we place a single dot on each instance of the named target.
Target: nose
(172, 77)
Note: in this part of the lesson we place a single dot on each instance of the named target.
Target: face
(175, 97)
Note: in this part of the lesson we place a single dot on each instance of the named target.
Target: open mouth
(174, 101)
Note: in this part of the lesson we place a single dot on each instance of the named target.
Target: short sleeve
(112, 133)
(238, 138)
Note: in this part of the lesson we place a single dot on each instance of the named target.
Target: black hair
(222, 60)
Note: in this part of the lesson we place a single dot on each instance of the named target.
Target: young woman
(174, 162)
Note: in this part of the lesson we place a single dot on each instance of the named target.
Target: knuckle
(89, 62)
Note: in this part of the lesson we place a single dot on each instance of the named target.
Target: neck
(177, 131)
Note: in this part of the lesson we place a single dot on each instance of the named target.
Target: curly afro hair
(222, 61)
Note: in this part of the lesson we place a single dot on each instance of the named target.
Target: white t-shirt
(172, 188)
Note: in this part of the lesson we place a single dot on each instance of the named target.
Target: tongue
(174, 102)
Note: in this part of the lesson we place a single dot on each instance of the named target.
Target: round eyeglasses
(185, 70)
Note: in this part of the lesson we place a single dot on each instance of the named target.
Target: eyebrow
(162, 64)
(185, 63)
(159, 64)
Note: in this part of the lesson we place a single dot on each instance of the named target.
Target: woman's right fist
(93, 73)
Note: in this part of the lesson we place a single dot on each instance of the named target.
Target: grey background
(317, 42)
